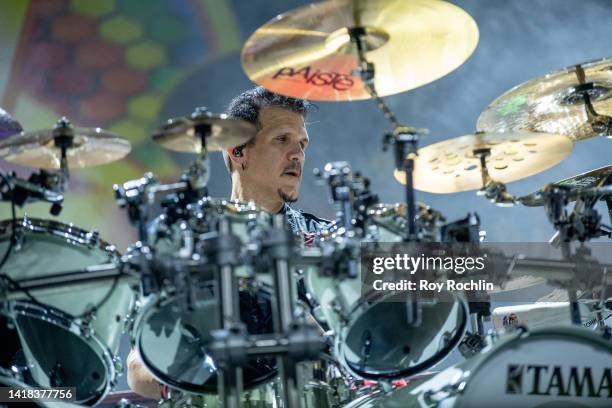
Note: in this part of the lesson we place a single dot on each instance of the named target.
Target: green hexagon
(93, 8)
(145, 106)
(121, 29)
(132, 129)
(145, 55)
(167, 30)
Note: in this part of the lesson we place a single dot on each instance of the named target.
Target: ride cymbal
(591, 179)
(179, 134)
(85, 147)
(450, 166)
(555, 103)
(308, 53)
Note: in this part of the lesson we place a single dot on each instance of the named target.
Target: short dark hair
(248, 104)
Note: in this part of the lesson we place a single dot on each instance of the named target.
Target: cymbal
(551, 103)
(450, 166)
(307, 52)
(8, 125)
(178, 134)
(90, 147)
(590, 179)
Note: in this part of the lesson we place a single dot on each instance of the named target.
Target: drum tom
(174, 325)
(70, 333)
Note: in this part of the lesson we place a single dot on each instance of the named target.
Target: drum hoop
(361, 305)
(64, 321)
(150, 303)
(69, 232)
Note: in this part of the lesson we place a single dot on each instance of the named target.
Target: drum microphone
(23, 192)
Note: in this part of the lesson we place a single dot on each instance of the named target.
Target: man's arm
(139, 379)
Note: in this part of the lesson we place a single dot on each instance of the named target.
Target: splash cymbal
(450, 166)
(590, 179)
(179, 134)
(554, 103)
(307, 52)
(88, 147)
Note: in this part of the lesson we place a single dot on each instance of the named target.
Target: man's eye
(282, 138)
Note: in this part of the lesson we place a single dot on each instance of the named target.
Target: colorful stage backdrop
(127, 65)
(111, 64)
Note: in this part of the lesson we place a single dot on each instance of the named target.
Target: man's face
(275, 161)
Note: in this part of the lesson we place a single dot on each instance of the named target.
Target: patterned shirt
(304, 223)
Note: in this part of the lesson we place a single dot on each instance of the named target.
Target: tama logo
(559, 381)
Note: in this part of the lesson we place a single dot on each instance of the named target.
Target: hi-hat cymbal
(8, 125)
(450, 166)
(307, 52)
(90, 147)
(179, 134)
(591, 179)
(554, 103)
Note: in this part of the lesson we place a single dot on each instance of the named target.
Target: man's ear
(236, 156)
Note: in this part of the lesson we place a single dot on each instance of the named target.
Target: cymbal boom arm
(405, 139)
(493, 190)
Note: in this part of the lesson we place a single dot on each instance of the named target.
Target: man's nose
(296, 153)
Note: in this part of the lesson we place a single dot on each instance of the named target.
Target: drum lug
(338, 310)
(118, 366)
(93, 238)
(86, 324)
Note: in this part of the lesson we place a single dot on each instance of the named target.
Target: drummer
(266, 170)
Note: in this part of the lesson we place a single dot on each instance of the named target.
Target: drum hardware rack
(292, 342)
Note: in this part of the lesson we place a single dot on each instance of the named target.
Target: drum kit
(227, 307)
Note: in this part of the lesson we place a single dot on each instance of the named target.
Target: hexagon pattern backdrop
(127, 65)
(110, 64)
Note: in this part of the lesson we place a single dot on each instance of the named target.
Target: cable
(14, 222)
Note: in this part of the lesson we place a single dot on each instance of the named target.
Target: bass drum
(373, 338)
(174, 325)
(560, 367)
(61, 342)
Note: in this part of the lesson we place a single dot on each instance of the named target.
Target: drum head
(54, 354)
(172, 341)
(379, 342)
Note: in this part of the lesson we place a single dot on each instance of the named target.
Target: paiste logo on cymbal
(338, 81)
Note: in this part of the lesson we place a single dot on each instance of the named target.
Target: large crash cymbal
(590, 179)
(89, 147)
(307, 52)
(450, 166)
(554, 103)
(179, 134)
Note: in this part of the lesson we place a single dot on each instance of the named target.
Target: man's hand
(139, 379)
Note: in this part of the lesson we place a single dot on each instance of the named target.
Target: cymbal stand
(199, 172)
(494, 191)
(63, 137)
(601, 124)
(403, 138)
(582, 225)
